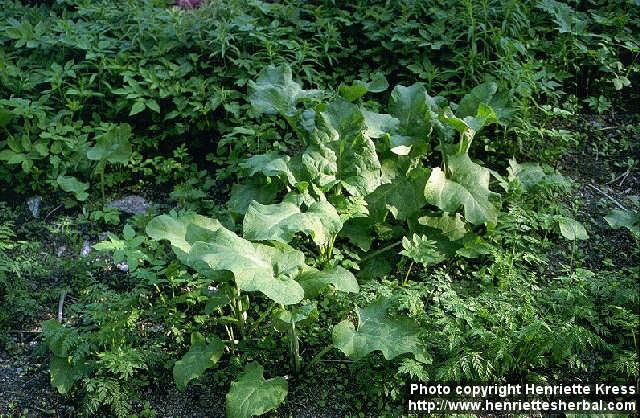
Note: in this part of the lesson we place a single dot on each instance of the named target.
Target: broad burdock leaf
(482, 93)
(485, 93)
(174, 230)
(270, 165)
(377, 331)
(284, 318)
(200, 357)
(451, 226)
(403, 197)
(572, 229)
(465, 184)
(251, 394)
(473, 246)
(378, 124)
(275, 92)
(359, 88)
(340, 153)
(421, 250)
(410, 106)
(112, 146)
(528, 174)
(624, 218)
(280, 222)
(269, 222)
(255, 267)
(315, 281)
(63, 374)
(358, 232)
(243, 194)
(71, 184)
(378, 83)
(469, 125)
(354, 91)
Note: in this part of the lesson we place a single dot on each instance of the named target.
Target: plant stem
(294, 349)
(381, 250)
(259, 320)
(104, 201)
(239, 312)
(318, 357)
(406, 276)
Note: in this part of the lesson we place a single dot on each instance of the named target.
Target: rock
(131, 204)
(61, 250)
(86, 249)
(34, 205)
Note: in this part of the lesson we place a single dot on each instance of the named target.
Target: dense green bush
(355, 171)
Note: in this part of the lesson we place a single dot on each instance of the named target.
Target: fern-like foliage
(7, 236)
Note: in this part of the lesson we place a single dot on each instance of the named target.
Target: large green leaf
(482, 93)
(280, 222)
(469, 125)
(624, 218)
(466, 184)
(359, 88)
(403, 197)
(485, 93)
(340, 153)
(251, 394)
(243, 194)
(284, 318)
(378, 124)
(255, 267)
(451, 226)
(270, 165)
(315, 281)
(112, 146)
(270, 222)
(63, 374)
(275, 92)
(200, 357)
(572, 229)
(358, 232)
(174, 229)
(527, 174)
(71, 184)
(410, 106)
(377, 331)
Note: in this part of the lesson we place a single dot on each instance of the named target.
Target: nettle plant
(360, 173)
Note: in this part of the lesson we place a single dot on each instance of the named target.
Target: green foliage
(377, 331)
(253, 395)
(126, 249)
(277, 121)
(421, 250)
(620, 218)
(572, 229)
(71, 184)
(113, 146)
(280, 222)
(274, 92)
(199, 358)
